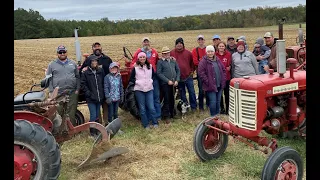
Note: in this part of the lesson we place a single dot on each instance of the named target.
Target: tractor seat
(30, 97)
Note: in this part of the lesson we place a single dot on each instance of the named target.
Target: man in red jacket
(186, 66)
(197, 54)
(152, 57)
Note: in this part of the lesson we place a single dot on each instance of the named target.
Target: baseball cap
(268, 34)
(216, 37)
(113, 64)
(200, 36)
(145, 38)
(61, 48)
(96, 43)
(230, 37)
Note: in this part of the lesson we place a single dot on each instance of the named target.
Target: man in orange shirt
(197, 54)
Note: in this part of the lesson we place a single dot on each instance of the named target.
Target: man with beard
(231, 45)
(270, 41)
(65, 75)
(104, 61)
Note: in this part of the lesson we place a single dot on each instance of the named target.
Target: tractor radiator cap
(246, 77)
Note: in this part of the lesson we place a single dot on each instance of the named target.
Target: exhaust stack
(300, 36)
(281, 57)
(77, 46)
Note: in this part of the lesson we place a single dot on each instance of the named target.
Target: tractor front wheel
(209, 143)
(36, 153)
(283, 163)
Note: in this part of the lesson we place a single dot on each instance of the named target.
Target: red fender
(33, 118)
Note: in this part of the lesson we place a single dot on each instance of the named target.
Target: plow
(39, 131)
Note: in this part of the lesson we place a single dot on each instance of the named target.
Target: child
(262, 52)
(113, 90)
(92, 87)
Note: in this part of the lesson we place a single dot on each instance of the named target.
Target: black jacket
(104, 60)
(92, 85)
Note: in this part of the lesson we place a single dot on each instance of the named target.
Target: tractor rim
(26, 164)
(212, 141)
(287, 170)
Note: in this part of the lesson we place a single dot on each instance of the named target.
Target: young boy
(113, 90)
(262, 52)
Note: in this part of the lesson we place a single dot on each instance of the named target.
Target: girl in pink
(142, 76)
(225, 57)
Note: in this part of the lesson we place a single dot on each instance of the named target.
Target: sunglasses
(62, 52)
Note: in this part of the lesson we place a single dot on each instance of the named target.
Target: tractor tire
(32, 141)
(283, 163)
(200, 140)
(131, 102)
(79, 118)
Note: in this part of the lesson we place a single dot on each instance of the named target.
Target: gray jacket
(243, 64)
(168, 70)
(65, 75)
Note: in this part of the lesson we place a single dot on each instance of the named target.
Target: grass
(165, 153)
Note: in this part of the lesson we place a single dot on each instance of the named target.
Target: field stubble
(165, 153)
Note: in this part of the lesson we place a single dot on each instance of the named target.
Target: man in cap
(65, 75)
(215, 41)
(197, 54)
(231, 45)
(270, 42)
(186, 66)
(152, 57)
(104, 61)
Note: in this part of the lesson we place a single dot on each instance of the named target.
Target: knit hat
(210, 48)
(260, 41)
(241, 43)
(180, 40)
(241, 38)
(142, 54)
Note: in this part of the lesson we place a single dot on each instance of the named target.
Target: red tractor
(274, 103)
(39, 129)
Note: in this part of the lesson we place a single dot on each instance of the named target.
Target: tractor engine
(285, 113)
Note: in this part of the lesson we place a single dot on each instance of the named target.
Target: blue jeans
(262, 63)
(214, 101)
(94, 110)
(192, 95)
(201, 92)
(113, 110)
(145, 102)
(156, 99)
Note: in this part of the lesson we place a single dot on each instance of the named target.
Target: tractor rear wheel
(283, 163)
(79, 118)
(131, 102)
(36, 153)
(208, 143)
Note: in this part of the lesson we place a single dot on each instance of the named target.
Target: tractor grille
(243, 108)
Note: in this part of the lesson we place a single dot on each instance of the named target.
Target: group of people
(215, 65)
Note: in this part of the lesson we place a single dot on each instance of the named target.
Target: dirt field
(165, 153)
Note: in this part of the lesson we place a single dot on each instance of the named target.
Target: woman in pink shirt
(225, 57)
(142, 76)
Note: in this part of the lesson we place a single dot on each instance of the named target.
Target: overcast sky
(139, 9)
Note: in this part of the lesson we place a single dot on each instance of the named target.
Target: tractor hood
(267, 82)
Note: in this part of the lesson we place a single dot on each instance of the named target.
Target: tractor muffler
(102, 148)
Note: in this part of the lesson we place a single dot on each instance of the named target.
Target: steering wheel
(125, 52)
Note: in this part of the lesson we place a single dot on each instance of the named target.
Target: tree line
(32, 25)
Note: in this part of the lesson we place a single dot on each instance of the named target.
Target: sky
(140, 9)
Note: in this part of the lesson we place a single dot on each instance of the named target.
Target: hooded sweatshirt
(263, 50)
(225, 58)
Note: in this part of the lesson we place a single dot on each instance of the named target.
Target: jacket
(113, 87)
(92, 85)
(197, 54)
(65, 75)
(272, 60)
(153, 59)
(225, 58)
(208, 75)
(168, 70)
(142, 77)
(244, 64)
(185, 62)
(103, 60)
